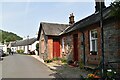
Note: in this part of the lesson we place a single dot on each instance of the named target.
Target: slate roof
(12, 44)
(94, 18)
(53, 29)
(24, 42)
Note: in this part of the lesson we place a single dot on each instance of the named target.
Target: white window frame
(96, 41)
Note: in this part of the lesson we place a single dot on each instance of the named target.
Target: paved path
(64, 70)
(25, 66)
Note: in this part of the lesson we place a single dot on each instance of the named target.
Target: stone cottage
(49, 40)
(82, 40)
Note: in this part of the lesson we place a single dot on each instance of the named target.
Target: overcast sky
(24, 16)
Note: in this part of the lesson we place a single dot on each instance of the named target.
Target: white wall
(34, 45)
(14, 49)
(26, 51)
(31, 47)
(4, 48)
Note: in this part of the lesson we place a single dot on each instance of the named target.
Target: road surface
(25, 66)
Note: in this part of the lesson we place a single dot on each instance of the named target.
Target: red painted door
(75, 44)
(56, 48)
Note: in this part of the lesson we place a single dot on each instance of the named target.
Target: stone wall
(43, 46)
(112, 43)
(68, 47)
(50, 48)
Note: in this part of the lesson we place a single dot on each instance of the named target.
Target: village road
(25, 66)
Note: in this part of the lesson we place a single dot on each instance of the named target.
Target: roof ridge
(52, 23)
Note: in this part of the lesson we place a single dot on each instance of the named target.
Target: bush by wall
(20, 51)
(48, 61)
(63, 60)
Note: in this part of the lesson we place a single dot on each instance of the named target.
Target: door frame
(56, 47)
(75, 47)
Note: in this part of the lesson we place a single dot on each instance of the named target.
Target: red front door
(56, 48)
(75, 44)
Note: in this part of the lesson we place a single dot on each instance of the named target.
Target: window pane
(92, 34)
(93, 40)
(93, 45)
(95, 34)
(96, 49)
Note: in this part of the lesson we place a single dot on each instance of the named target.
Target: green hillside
(8, 36)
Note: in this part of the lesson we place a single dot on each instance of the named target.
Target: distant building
(3, 47)
(25, 45)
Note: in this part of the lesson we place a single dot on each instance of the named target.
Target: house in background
(12, 46)
(49, 40)
(3, 47)
(25, 45)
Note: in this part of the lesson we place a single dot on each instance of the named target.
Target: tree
(115, 11)
(8, 36)
(37, 48)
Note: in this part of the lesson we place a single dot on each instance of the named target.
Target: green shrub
(48, 61)
(55, 59)
(20, 51)
(63, 60)
(81, 65)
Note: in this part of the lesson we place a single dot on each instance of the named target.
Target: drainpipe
(102, 40)
(83, 47)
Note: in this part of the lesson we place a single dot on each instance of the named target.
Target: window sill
(93, 52)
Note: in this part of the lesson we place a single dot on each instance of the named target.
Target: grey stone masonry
(112, 43)
(111, 46)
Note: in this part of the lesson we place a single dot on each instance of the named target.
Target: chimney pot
(71, 19)
(97, 5)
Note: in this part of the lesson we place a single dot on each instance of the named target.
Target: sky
(23, 17)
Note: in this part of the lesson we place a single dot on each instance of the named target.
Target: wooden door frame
(58, 51)
(75, 47)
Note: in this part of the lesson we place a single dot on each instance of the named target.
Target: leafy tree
(37, 48)
(8, 36)
(115, 11)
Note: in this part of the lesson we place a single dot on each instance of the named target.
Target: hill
(8, 36)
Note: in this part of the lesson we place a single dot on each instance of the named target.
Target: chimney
(71, 19)
(97, 5)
